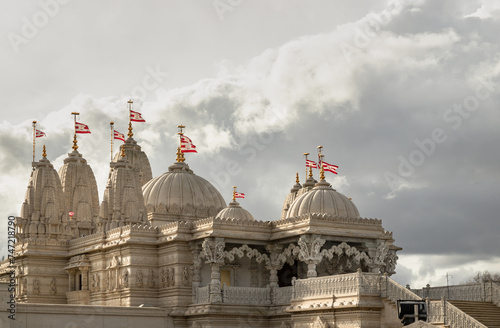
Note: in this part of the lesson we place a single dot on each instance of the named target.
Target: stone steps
(485, 312)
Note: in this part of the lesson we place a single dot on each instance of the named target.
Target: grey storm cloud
(372, 95)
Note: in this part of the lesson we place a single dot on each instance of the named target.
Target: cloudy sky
(403, 97)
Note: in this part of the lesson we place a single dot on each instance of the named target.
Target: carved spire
(123, 202)
(80, 192)
(44, 214)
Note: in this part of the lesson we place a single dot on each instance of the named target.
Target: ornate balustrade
(202, 295)
(338, 285)
(394, 291)
(282, 295)
(435, 311)
(246, 295)
(456, 318)
(495, 294)
(481, 292)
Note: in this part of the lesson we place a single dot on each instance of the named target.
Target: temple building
(168, 251)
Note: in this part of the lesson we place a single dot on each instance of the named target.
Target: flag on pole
(136, 116)
(187, 145)
(312, 164)
(118, 135)
(39, 134)
(330, 167)
(239, 195)
(81, 128)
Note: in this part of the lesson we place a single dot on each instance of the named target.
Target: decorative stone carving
(151, 278)
(309, 252)
(36, 286)
(139, 279)
(25, 286)
(125, 279)
(53, 287)
(185, 276)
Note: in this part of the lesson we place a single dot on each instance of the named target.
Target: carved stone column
(213, 251)
(85, 280)
(274, 265)
(310, 253)
(196, 280)
(215, 284)
(71, 274)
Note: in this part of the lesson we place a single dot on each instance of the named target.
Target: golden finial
(297, 178)
(130, 134)
(310, 172)
(75, 141)
(180, 156)
(123, 152)
(322, 173)
(44, 154)
(234, 193)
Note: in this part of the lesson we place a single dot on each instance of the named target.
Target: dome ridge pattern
(323, 199)
(180, 192)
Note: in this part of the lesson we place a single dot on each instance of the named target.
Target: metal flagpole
(320, 162)
(111, 124)
(130, 133)
(305, 155)
(34, 137)
(75, 146)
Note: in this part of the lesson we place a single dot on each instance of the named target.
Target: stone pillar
(274, 264)
(310, 252)
(215, 284)
(196, 280)
(213, 251)
(71, 285)
(85, 278)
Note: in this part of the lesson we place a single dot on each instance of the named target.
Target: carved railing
(456, 318)
(282, 295)
(246, 295)
(469, 292)
(435, 311)
(495, 294)
(202, 295)
(394, 291)
(345, 284)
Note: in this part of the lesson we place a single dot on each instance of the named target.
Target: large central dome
(179, 194)
(323, 199)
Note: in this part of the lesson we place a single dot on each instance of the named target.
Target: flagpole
(130, 133)
(111, 124)
(234, 193)
(34, 137)
(75, 146)
(305, 155)
(320, 160)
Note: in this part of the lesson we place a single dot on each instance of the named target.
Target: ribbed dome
(235, 211)
(323, 199)
(180, 193)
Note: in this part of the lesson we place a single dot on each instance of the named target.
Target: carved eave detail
(231, 228)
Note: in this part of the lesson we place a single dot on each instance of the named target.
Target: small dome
(235, 211)
(323, 199)
(180, 193)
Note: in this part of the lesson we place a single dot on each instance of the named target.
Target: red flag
(39, 134)
(330, 167)
(81, 128)
(136, 117)
(118, 135)
(187, 145)
(239, 195)
(312, 164)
